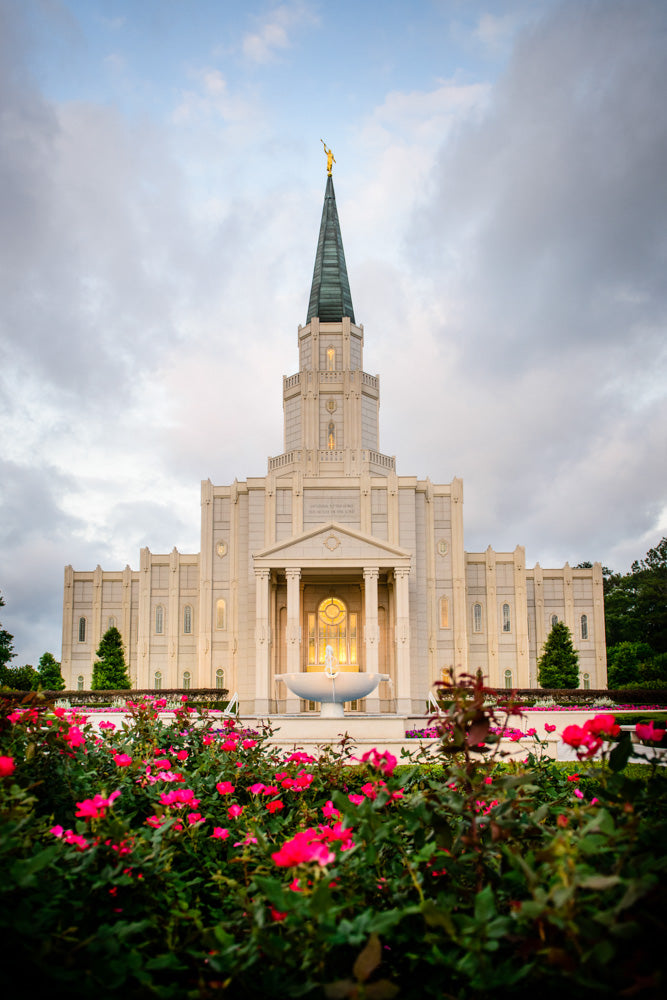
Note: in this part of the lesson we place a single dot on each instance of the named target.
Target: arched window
(507, 618)
(331, 436)
(221, 614)
(82, 629)
(333, 626)
(508, 678)
(157, 680)
(444, 612)
(584, 626)
(587, 681)
(186, 680)
(220, 678)
(79, 682)
(554, 620)
(159, 620)
(331, 359)
(477, 617)
(187, 619)
(111, 622)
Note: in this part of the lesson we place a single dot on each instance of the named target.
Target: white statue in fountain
(332, 687)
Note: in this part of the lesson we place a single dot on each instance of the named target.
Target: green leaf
(620, 755)
(485, 904)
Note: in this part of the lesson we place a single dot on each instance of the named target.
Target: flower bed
(190, 859)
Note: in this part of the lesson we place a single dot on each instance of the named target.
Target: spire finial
(331, 159)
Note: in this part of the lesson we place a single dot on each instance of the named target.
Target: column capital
(261, 573)
(293, 573)
(371, 572)
(401, 572)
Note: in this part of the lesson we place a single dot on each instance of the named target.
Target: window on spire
(331, 436)
(331, 359)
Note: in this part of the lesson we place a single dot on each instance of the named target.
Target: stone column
(262, 638)
(371, 631)
(403, 692)
(293, 632)
(68, 629)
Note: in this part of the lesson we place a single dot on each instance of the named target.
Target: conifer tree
(49, 676)
(558, 666)
(6, 644)
(110, 671)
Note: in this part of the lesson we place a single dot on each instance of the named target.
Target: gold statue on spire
(331, 159)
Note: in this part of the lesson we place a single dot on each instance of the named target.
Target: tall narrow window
(444, 612)
(82, 629)
(508, 678)
(587, 681)
(187, 619)
(507, 618)
(220, 678)
(79, 682)
(111, 622)
(186, 680)
(584, 626)
(477, 617)
(157, 680)
(554, 620)
(331, 359)
(221, 614)
(331, 436)
(159, 620)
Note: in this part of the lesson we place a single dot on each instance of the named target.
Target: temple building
(331, 547)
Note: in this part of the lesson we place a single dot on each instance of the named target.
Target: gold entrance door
(333, 625)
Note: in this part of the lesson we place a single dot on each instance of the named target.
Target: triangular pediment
(332, 543)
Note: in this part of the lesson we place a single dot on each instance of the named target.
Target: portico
(333, 585)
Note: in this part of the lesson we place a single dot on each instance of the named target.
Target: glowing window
(584, 626)
(187, 619)
(444, 612)
(507, 618)
(331, 359)
(159, 620)
(508, 678)
(82, 629)
(477, 617)
(332, 626)
(221, 614)
(186, 680)
(220, 678)
(331, 436)
(157, 680)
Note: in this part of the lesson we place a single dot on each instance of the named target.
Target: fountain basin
(331, 692)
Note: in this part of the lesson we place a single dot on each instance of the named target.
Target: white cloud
(272, 35)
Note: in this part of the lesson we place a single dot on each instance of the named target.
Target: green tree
(19, 678)
(626, 662)
(109, 671)
(558, 666)
(6, 646)
(635, 603)
(49, 677)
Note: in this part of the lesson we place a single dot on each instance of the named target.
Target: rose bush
(192, 859)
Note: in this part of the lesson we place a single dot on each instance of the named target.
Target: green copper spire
(330, 296)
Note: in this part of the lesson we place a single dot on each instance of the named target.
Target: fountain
(331, 687)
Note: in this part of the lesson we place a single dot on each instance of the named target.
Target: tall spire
(330, 297)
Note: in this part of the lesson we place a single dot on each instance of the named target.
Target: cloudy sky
(501, 181)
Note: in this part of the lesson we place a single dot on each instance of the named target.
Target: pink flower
(6, 766)
(220, 833)
(182, 755)
(303, 848)
(96, 807)
(488, 780)
(74, 737)
(277, 915)
(356, 800)
(57, 831)
(225, 787)
(303, 780)
(578, 792)
(249, 744)
(274, 806)
(123, 760)
(300, 758)
(384, 762)
(329, 812)
(156, 821)
(229, 744)
(602, 725)
(179, 797)
(257, 788)
(107, 725)
(549, 729)
(195, 817)
(531, 732)
(583, 740)
(235, 811)
(647, 732)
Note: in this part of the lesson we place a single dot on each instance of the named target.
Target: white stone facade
(331, 520)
